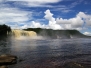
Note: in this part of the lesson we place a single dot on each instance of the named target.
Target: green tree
(4, 29)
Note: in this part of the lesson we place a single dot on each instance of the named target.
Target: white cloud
(86, 18)
(67, 26)
(35, 3)
(82, 15)
(87, 33)
(61, 8)
(66, 10)
(13, 15)
(75, 3)
(1, 1)
(88, 22)
(17, 17)
(52, 23)
(24, 26)
(33, 24)
(38, 1)
(36, 25)
(49, 15)
(76, 22)
(72, 23)
(62, 21)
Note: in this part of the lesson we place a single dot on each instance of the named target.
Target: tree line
(4, 29)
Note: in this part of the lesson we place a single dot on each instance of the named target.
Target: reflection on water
(36, 50)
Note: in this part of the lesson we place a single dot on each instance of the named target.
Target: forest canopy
(4, 29)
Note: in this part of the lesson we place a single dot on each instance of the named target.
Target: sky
(49, 14)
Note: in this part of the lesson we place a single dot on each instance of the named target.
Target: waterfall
(71, 36)
(18, 33)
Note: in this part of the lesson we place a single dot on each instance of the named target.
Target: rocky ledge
(3, 67)
(7, 59)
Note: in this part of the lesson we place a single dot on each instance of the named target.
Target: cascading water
(18, 33)
(25, 35)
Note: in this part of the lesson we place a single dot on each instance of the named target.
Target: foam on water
(29, 38)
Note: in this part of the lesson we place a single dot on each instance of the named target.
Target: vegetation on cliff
(57, 33)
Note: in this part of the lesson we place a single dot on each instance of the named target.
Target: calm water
(42, 52)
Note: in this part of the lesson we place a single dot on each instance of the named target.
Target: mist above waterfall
(49, 33)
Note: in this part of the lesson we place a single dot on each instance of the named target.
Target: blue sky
(50, 14)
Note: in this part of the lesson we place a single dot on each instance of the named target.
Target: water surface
(42, 52)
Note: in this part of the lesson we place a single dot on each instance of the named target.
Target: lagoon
(39, 52)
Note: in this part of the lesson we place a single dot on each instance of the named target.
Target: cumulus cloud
(60, 23)
(17, 18)
(78, 22)
(49, 16)
(33, 24)
(75, 22)
(87, 33)
(52, 22)
(36, 25)
(54, 25)
(9, 15)
(86, 18)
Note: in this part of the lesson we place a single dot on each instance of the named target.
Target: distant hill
(58, 33)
